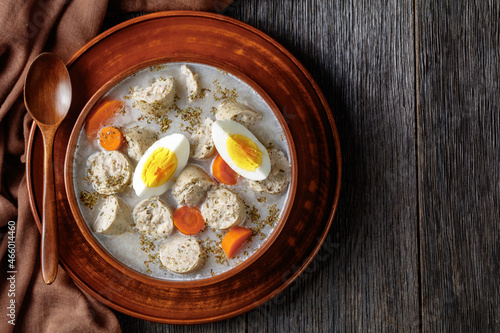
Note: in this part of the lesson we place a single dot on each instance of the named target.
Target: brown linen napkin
(27, 28)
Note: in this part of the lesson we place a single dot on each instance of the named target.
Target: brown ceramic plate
(99, 96)
(190, 36)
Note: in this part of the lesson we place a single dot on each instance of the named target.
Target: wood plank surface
(366, 274)
(414, 90)
(458, 118)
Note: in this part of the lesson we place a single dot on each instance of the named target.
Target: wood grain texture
(47, 96)
(459, 96)
(365, 278)
(363, 59)
(415, 244)
(214, 40)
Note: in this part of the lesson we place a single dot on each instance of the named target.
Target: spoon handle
(50, 251)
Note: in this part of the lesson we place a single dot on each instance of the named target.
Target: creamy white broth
(130, 248)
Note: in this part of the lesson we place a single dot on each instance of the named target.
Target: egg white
(179, 145)
(221, 130)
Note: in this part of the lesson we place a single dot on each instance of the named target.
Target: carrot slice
(100, 116)
(188, 220)
(110, 138)
(223, 172)
(233, 240)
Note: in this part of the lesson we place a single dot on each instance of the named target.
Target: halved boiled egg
(160, 165)
(240, 149)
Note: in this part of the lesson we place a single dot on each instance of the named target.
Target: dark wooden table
(415, 245)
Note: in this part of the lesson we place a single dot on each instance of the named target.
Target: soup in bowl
(180, 171)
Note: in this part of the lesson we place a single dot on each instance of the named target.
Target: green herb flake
(224, 94)
(262, 199)
(89, 199)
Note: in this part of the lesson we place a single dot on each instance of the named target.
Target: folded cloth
(28, 28)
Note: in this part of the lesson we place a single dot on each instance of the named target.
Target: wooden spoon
(47, 96)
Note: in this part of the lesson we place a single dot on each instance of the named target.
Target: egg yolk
(244, 152)
(159, 167)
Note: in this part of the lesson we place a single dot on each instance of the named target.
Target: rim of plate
(289, 271)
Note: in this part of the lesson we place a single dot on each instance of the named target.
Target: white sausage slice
(238, 112)
(278, 178)
(202, 144)
(109, 172)
(157, 98)
(182, 254)
(153, 217)
(223, 209)
(114, 217)
(192, 83)
(191, 186)
(139, 139)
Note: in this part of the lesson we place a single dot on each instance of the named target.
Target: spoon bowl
(47, 90)
(47, 96)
